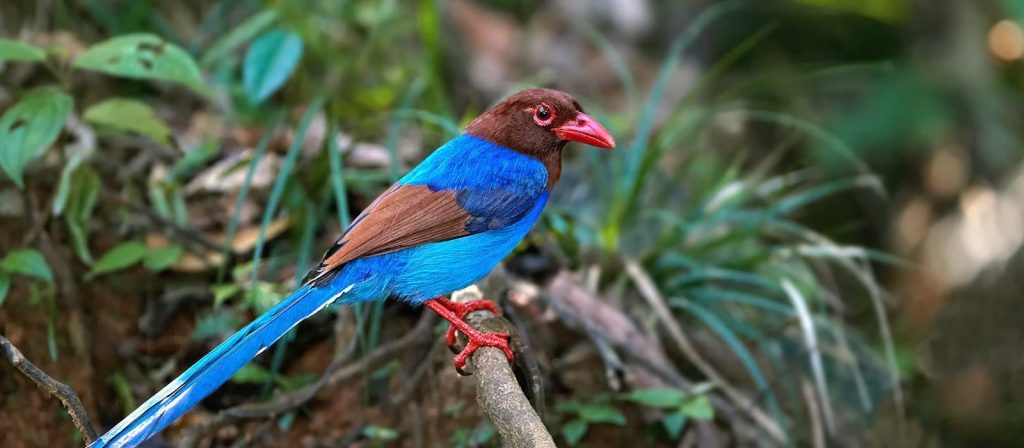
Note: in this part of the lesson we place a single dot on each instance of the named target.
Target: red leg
(461, 309)
(477, 339)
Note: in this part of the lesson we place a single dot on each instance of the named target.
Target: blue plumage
(442, 227)
(415, 274)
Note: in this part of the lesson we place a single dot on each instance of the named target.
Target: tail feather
(216, 368)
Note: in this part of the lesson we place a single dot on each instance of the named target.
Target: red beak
(585, 130)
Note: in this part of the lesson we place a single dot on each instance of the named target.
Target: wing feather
(402, 217)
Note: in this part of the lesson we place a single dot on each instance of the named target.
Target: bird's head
(539, 122)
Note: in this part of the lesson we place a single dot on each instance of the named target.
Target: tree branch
(62, 391)
(497, 390)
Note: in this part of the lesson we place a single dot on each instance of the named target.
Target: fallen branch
(62, 391)
(579, 308)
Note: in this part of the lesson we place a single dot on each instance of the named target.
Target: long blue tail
(216, 367)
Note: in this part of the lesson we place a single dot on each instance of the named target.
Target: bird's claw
(461, 309)
(477, 340)
(454, 313)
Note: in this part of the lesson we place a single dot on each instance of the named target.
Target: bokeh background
(810, 233)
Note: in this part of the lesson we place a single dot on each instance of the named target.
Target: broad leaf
(238, 36)
(126, 114)
(271, 59)
(602, 413)
(30, 127)
(120, 257)
(28, 262)
(12, 50)
(674, 422)
(143, 56)
(159, 259)
(657, 398)
(699, 408)
(251, 374)
(223, 292)
(574, 431)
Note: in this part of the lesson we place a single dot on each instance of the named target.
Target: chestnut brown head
(539, 122)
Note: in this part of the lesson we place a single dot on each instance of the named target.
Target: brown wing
(403, 216)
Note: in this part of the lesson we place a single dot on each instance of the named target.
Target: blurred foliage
(764, 147)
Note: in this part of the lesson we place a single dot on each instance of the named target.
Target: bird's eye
(543, 115)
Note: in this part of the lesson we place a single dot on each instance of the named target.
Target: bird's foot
(454, 313)
(477, 340)
(461, 309)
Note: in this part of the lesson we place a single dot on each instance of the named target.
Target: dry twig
(45, 382)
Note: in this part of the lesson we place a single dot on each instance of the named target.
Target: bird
(440, 228)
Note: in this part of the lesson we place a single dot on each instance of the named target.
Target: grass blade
(338, 177)
(243, 192)
(281, 181)
(629, 181)
(811, 342)
(736, 345)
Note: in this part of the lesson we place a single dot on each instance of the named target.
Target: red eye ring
(543, 115)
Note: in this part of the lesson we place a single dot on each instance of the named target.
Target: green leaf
(143, 56)
(242, 33)
(699, 408)
(568, 407)
(159, 259)
(602, 413)
(30, 127)
(285, 422)
(123, 391)
(27, 262)
(883, 10)
(269, 62)
(223, 292)
(251, 374)
(657, 398)
(262, 297)
(5, 285)
(74, 161)
(120, 257)
(481, 434)
(674, 422)
(735, 344)
(126, 114)
(84, 190)
(12, 50)
(574, 431)
(380, 433)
